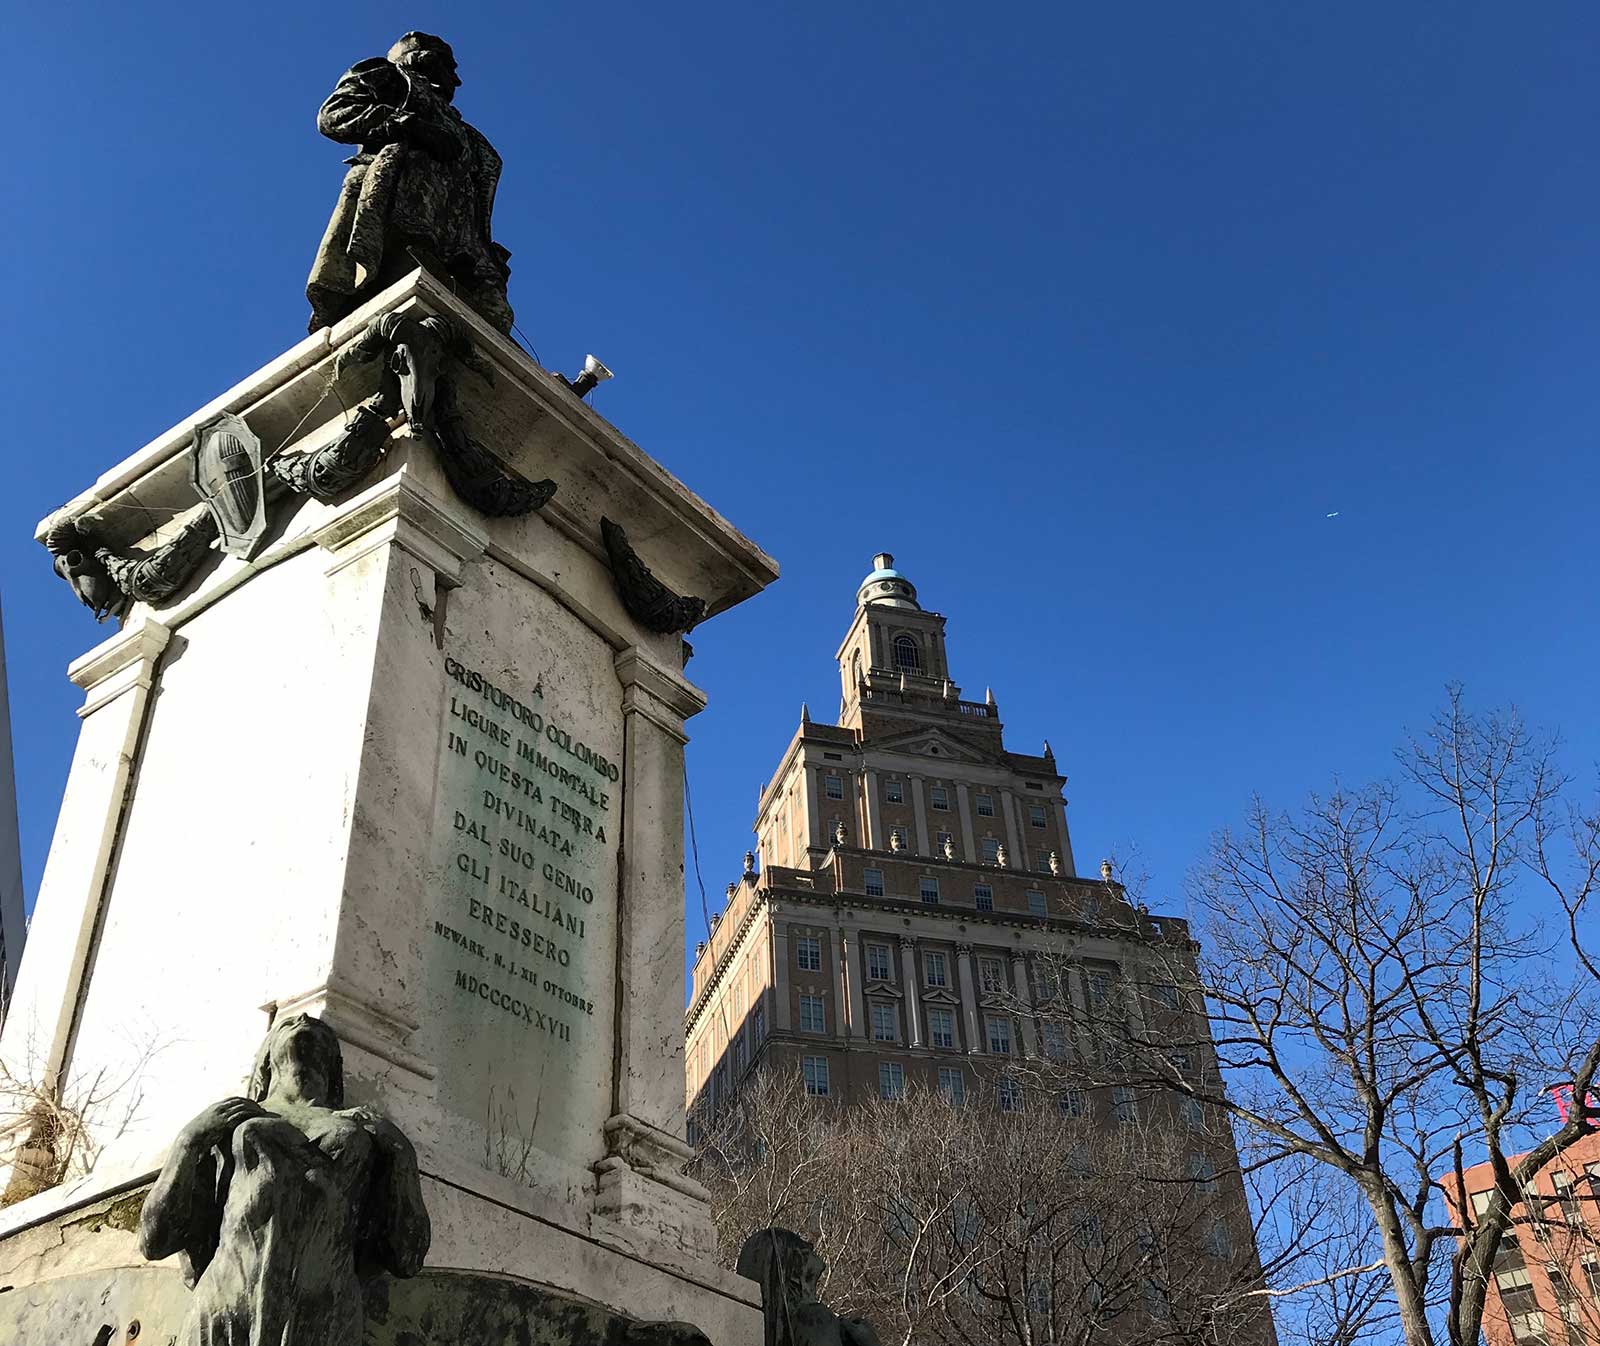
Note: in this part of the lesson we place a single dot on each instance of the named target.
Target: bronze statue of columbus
(419, 192)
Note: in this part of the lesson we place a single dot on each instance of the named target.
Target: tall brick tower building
(913, 873)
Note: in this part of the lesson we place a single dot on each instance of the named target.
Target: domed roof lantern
(886, 586)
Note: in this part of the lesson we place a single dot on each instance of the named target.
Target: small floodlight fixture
(594, 374)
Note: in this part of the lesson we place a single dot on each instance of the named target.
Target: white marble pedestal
(417, 771)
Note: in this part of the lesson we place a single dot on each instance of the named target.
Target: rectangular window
(1517, 1278)
(808, 953)
(935, 969)
(1204, 1173)
(1036, 816)
(885, 1027)
(878, 968)
(872, 881)
(1194, 1114)
(1097, 982)
(812, 1016)
(1165, 994)
(898, 834)
(1008, 1091)
(1124, 1106)
(815, 1070)
(983, 897)
(1055, 1040)
(941, 840)
(1041, 861)
(953, 1085)
(758, 1022)
(891, 1080)
(1571, 1210)
(1073, 1103)
(991, 849)
(991, 976)
(942, 1027)
(999, 1035)
(894, 792)
(833, 787)
(1528, 1326)
(984, 805)
(1219, 1242)
(939, 797)
(929, 889)
(1036, 903)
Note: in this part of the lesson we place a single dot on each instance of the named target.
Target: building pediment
(939, 995)
(934, 743)
(883, 988)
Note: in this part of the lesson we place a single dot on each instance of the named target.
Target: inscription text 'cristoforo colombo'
(525, 809)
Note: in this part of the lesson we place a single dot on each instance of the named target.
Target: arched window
(855, 670)
(907, 655)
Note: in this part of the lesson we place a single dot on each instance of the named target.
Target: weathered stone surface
(147, 1306)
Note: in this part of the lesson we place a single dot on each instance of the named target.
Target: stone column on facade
(874, 840)
(640, 1182)
(1019, 975)
(910, 983)
(117, 678)
(857, 992)
(919, 812)
(1019, 853)
(782, 1017)
(1073, 975)
(841, 984)
(816, 828)
(1066, 839)
(969, 996)
(969, 849)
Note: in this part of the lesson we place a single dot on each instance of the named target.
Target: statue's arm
(398, 1228)
(182, 1214)
(364, 109)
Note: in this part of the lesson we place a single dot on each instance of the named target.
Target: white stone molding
(909, 980)
(118, 677)
(398, 510)
(359, 1021)
(817, 831)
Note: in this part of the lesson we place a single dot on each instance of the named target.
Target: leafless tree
(52, 1131)
(1384, 1000)
(964, 1225)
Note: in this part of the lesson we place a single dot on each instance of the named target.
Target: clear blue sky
(1089, 313)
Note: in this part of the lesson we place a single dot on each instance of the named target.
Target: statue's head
(784, 1263)
(426, 57)
(308, 1050)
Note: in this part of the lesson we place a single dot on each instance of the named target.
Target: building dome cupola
(886, 587)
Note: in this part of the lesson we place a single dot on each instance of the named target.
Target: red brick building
(1546, 1283)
